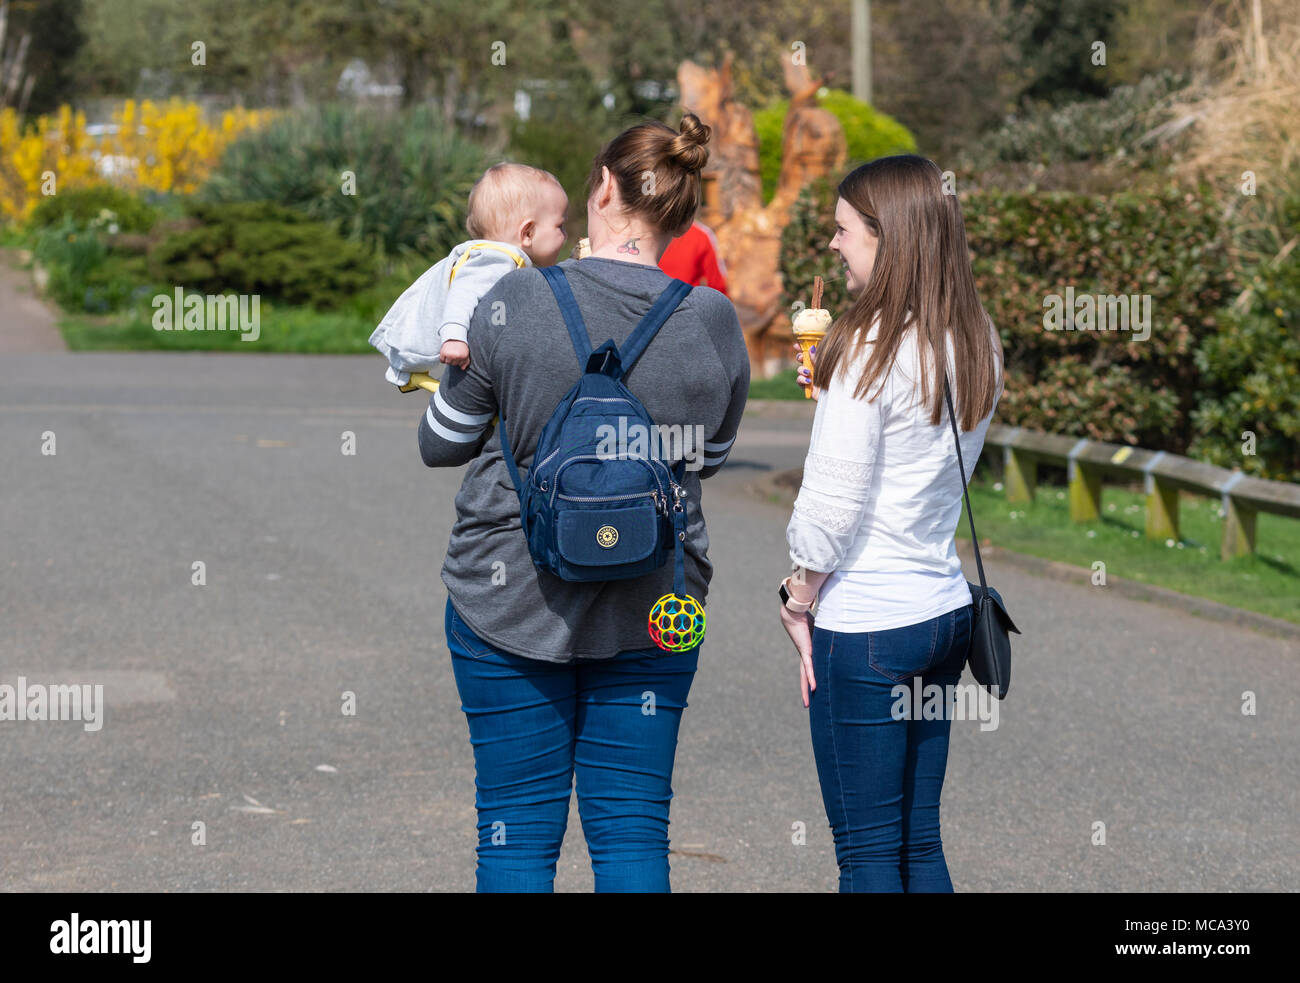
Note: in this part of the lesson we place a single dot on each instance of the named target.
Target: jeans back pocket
(900, 653)
(462, 635)
(954, 641)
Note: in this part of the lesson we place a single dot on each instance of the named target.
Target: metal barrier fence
(1164, 476)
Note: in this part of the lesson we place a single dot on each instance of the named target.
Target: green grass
(780, 386)
(283, 329)
(13, 236)
(1267, 582)
(124, 283)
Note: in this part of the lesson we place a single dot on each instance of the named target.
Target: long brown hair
(674, 157)
(922, 267)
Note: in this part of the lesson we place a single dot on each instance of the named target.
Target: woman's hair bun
(688, 149)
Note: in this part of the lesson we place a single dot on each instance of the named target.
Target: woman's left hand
(799, 627)
(802, 375)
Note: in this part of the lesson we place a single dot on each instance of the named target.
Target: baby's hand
(456, 353)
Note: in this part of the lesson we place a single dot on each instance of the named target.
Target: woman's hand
(799, 627)
(802, 374)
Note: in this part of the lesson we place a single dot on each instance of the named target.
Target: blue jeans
(535, 724)
(881, 777)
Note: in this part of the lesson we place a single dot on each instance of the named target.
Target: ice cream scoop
(810, 327)
(816, 320)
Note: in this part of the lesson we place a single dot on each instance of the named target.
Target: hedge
(1209, 370)
(868, 134)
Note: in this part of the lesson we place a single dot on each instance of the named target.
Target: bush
(412, 175)
(1090, 145)
(69, 252)
(1092, 129)
(263, 248)
(87, 206)
(1251, 364)
(868, 134)
(1172, 246)
(84, 275)
(166, 147)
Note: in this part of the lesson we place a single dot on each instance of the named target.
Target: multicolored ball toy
(677, 623)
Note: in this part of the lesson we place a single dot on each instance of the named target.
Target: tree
(53, 33)
(1057, 43)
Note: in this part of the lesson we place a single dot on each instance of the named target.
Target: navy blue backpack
(590, 514)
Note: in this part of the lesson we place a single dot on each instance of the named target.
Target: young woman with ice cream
(877, 595)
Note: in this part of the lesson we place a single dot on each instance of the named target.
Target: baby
(516, 217)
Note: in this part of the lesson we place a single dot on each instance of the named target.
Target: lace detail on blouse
(832, 517)
(837, 478)
(838, 469)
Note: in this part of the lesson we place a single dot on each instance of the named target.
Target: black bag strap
(974, 539)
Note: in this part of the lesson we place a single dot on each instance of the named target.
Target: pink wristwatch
(798, 607)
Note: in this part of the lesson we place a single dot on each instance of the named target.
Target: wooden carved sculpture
(749, 232)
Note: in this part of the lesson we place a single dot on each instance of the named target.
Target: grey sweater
(694, 374)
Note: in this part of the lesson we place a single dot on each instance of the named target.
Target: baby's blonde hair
(503, 196)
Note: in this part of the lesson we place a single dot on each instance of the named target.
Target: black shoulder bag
(990, 643)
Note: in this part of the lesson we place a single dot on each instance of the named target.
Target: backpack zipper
(597, 457)
(610, 498)
(543, 461)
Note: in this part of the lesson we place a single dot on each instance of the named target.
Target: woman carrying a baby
(560, 680)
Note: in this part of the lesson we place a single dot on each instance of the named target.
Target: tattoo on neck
(630, 247)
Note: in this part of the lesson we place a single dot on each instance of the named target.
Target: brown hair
(506, 193)
(674, 158)
(922, 267)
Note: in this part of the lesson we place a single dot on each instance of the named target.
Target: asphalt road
(224, 700)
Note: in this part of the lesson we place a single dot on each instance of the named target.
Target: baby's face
(550, 214)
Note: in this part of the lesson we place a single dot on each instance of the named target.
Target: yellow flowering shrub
(166, 147)
(56, 152)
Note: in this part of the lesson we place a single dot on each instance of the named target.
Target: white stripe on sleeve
(446, 433)
(457, 416)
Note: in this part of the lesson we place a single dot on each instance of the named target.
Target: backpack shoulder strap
(645, 331)
(509, 456)
(569, 308)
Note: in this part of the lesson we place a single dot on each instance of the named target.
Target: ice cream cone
(806, 339)
(810, 327)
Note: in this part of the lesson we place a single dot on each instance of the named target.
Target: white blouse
(881, 498)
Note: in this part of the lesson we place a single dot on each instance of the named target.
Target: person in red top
(693, 257)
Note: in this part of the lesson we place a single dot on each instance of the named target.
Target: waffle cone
(805, 340)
